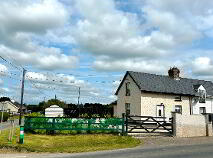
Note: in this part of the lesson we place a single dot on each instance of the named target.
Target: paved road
(181, 151)
(6, 125)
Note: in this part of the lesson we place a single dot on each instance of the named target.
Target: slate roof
(164, 84)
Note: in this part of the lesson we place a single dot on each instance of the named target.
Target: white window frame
(202, 96)
(178, 109)
(203, 110)
(160, 109)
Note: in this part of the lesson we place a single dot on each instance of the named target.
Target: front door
(160, 111)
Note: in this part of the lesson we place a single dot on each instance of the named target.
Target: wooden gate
(148, 124)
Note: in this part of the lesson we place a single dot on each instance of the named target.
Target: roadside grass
(65, 143)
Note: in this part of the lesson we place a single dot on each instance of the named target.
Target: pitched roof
(165, 84)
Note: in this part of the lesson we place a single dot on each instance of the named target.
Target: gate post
(123, 121)
(126, 124)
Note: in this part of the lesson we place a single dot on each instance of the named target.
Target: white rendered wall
(196, 106)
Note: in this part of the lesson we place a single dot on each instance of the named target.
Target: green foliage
(5, 116)
(54, 102)
(84, 115)
(2, 99)
(35, 114)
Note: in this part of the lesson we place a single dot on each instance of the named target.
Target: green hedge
(5, 116)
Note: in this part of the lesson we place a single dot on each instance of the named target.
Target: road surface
(174, 151)
(5, 125)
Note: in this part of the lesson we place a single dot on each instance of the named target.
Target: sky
(67, 44)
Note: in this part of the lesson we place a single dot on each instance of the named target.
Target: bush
(5, 116)
(36, 114)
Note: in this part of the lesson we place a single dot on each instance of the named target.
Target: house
(54, 111)
(158, 95)
(9, 107)
(24, 107)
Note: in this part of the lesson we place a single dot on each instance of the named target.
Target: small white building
(54, 111)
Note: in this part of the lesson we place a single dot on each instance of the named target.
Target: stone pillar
(177, 124)
(209, 129)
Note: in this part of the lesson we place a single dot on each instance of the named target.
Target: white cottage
(158, 95)
(9, 107)
(54, 111)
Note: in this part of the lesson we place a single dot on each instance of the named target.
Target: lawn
(65, 143)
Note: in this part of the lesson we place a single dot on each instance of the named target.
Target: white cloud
(159, 30)
(112, 97)
(95, 94)
(35, 17)
(20, 24)
(131, 65)
(66, 85)
(41, 57)
(115, 33)
(170, 23)
(202, 66)
(3, 70)
(116, 83)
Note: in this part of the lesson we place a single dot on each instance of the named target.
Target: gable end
(127, 73)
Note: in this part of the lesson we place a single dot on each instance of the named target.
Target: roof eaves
(116, 93)
(146, 91)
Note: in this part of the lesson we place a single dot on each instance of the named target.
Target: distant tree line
(74, 110)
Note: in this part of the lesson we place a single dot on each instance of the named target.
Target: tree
(2, 99)
(52, 102)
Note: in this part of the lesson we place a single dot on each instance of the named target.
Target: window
(127, 107)
(202, 110)
(160, 110)
(178, 108)
(178, 98)
(127, 89)
(202, 96)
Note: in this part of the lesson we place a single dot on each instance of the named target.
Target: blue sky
(66, 44)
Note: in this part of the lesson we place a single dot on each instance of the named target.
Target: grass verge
(65, 143)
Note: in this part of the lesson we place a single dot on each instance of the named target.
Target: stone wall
(191, 125)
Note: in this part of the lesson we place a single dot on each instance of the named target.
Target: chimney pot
(174, 73)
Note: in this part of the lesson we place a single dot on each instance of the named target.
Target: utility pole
(79, 93)
(2, 115)
(22, 94)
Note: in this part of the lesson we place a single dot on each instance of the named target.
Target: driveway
(152, 148)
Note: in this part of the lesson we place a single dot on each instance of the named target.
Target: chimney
(174, 73)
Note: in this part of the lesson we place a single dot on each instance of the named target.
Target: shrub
(5, 116)
(36, 114)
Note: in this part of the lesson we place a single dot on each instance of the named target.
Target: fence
(148, 124)
(115, 125)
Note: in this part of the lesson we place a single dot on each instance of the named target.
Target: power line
(13, 65)
(34, 85)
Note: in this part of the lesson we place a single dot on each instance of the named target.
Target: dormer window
(127, 88)
(202, 96)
